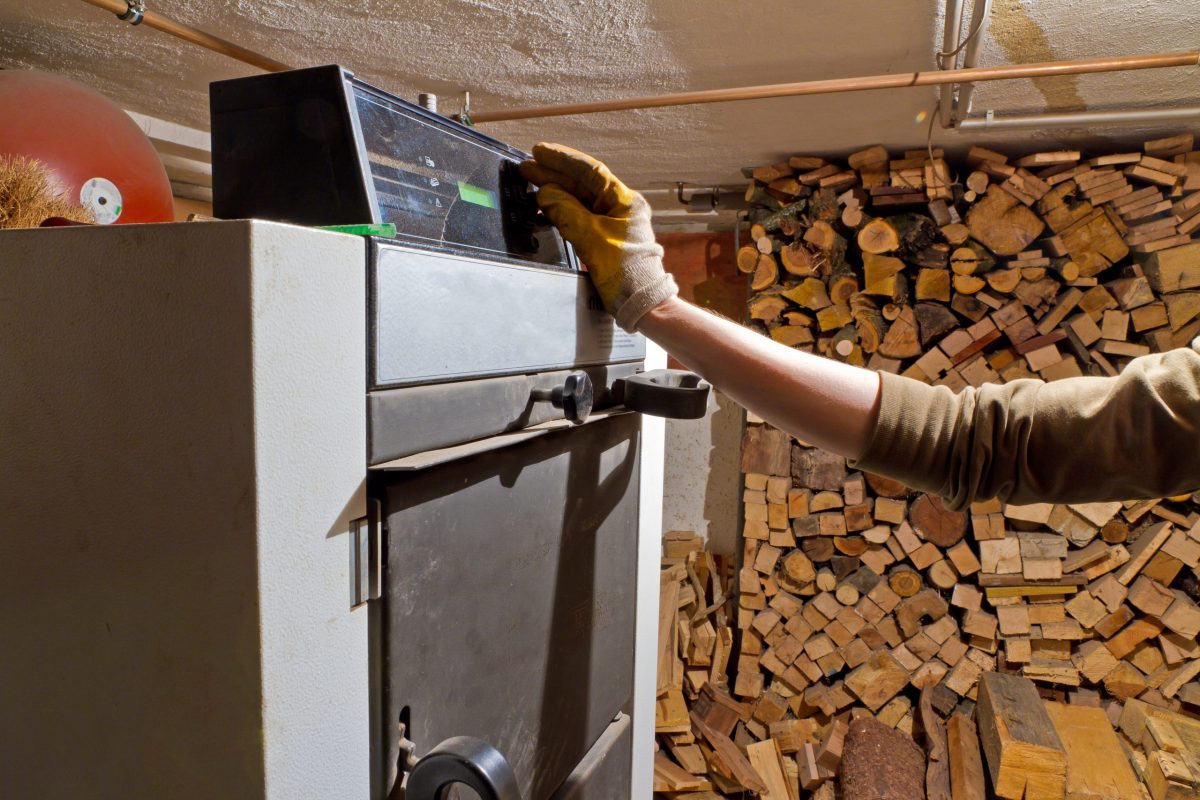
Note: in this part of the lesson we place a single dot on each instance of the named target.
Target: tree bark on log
(880, 763)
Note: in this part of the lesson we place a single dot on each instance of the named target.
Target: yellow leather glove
(609, 225)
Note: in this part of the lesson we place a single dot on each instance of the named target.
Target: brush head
(29, 195)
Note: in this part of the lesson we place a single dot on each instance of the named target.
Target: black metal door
(509, 598)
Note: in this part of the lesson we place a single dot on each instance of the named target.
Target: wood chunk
(1168, 777)
(1001, 556)
(926, 604)
(1143, 549)
(765, 450)
(1124, 681)
(1025, 756)
(1086, 609)
(966, 765)
(935, 523)
(816, 469)
(766, 758)
(1013, 620)
(1174, 269)
(730, 756)
(1138, 631)
(669, 777)
(1094, 661)
(1182, 616)
(1150, 597)
(878, 680)
(1096, 765)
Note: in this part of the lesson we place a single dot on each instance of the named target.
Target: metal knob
(574, 396)
(467, 761)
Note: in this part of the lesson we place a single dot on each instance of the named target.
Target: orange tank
(99, 155)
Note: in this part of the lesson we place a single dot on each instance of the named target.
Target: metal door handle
(465, 760)
(673, 393)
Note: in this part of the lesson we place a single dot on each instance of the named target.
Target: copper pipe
(195, 36)
(861, 84)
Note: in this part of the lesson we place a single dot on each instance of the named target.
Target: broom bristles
(29, 195)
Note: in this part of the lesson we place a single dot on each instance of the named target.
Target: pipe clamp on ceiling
(135, 11)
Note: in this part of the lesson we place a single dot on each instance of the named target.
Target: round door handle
(574, 396)
(466, 760)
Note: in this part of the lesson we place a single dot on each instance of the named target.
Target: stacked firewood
(858, 598)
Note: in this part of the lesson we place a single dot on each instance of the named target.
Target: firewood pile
(1039, 651)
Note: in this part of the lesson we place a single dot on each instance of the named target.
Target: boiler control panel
(320, 147)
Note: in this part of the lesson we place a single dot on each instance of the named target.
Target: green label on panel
(476, 195)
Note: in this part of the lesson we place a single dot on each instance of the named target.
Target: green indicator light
(476, 195)
(384, 229)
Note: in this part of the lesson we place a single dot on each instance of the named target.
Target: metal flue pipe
(950, 34)
(196, 36)
(935, 77)
(1067, 119)
(980, 13)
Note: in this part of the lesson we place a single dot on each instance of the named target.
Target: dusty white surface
(649, 554)
(511, 52)
(184, 430)
(701, 490)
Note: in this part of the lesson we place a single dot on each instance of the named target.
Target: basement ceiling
(509, 53)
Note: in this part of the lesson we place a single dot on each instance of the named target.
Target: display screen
(442, 186)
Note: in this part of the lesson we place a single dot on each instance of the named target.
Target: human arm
(1077, 440)
(820, 401)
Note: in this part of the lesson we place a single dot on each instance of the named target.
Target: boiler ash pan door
(509, 598)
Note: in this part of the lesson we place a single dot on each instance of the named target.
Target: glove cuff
(647, 297)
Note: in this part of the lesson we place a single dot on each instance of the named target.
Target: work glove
(609, 225)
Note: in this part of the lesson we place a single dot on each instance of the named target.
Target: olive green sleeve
(1076, 440)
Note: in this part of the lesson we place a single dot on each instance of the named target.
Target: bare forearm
(823, 402)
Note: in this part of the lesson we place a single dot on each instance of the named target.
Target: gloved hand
(609, 225)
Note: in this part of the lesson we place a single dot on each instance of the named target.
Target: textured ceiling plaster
(515, 53)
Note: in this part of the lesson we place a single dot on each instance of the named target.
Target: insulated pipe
(991, 122)
(195, 36)
(930, 78)
(971, 57)
(950, 36)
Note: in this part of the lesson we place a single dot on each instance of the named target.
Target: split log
(937, 770)
(747, 258)
(902, 339)
(966, 765)
(1024, 754)
(1096, 762)
(766, 273)
(936, 523)
(796, 259)
(1002, 224)
(766, 307)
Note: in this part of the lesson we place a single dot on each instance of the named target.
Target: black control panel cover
(320, 147)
